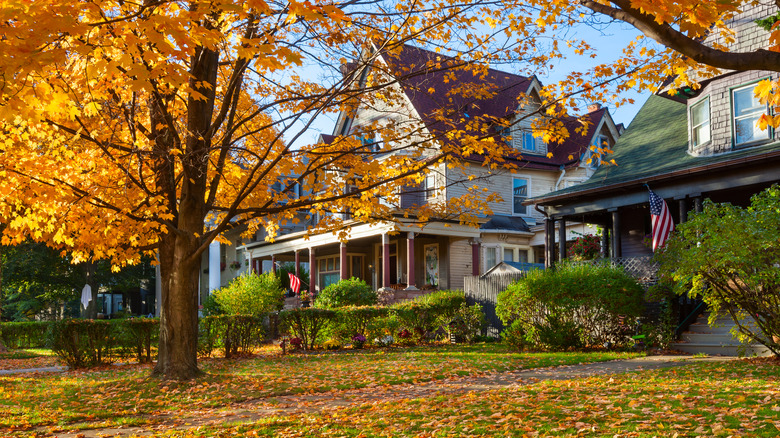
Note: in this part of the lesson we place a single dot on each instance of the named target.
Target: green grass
(127, 395)
(739, 398)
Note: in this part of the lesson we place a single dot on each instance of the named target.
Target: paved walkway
(54, 369)
(254, 410)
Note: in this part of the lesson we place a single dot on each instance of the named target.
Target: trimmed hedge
(573, 306)
(351, 292)
(234, 334)
(307, 323)
(28, 334)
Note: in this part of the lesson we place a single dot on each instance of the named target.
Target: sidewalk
(255, 410)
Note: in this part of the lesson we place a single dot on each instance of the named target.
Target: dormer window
(529, 142)
(593, 158)
(430, 186)
(700, 122)
(746, 111)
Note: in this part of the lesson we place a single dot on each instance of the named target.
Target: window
(430, 186)
(700, 122)
(329, 271)
(509, 255)
(519, 194)
(491, 257)
(747, 111)
(529, 142)
(601, 141)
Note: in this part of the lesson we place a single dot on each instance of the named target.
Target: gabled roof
(428, 79)
(653, 148)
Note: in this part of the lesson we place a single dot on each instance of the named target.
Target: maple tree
(126, 127)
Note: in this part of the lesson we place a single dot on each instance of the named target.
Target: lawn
(740, 398)
(126, 395)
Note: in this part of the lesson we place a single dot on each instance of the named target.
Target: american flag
(295, 282)
(662, 220)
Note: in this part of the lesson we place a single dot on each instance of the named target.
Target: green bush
(138, 337)
(595, 303)
(467, 323)
(82, 343)
(515, 336)
(352, 292)
(353, 320)
(234, 334)
(28, 334)
(308, 324)
(425, 315)
(251, 294)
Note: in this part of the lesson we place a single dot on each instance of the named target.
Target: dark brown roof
(430, 79)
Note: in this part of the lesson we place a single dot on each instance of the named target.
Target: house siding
(460, 262)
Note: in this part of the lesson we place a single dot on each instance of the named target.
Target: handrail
(687, 321)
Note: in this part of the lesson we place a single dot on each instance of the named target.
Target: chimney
(595, 106)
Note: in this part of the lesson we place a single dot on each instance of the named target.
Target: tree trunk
(178, 346)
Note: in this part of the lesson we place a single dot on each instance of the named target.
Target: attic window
(529, 142)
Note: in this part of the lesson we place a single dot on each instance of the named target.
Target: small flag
(295, 282)
(661, 219)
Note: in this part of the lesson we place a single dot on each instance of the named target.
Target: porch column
(549, 242)
(475, 250)
(385, 260)
(605, 242)
(697, 204)
(683, 205)
(273, 263)
(410, 277)
(312, 272)
(298, 263)
(562, 239)
(343, 271)
(215, 271)
(617, 251)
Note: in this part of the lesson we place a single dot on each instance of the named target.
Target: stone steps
(716, 340)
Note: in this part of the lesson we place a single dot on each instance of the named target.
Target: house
(439, 254)
(690, 145)
(685, 146)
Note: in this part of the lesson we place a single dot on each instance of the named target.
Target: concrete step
(722, 350)
(708, 338)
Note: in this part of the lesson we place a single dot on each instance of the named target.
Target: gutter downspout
(560, 178)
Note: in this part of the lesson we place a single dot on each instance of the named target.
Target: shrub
(307, 324)
(515, 336)
(82, 343)
(352, 292)
(426, 314)
(585, 247)
(251, 294)
(351, 320)
(592, 302)
(235, 334)
(138, 337)
(466, 324)
(28, 334)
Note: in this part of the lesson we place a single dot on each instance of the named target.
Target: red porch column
(312, 272)
(410, 282)
(343, 271)
(475, 247)
(385, 260)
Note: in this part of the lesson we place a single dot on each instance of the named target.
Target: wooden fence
(484, 291)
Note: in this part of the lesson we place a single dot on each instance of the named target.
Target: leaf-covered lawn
(737, 398)
(127, 395)
(25, 359)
